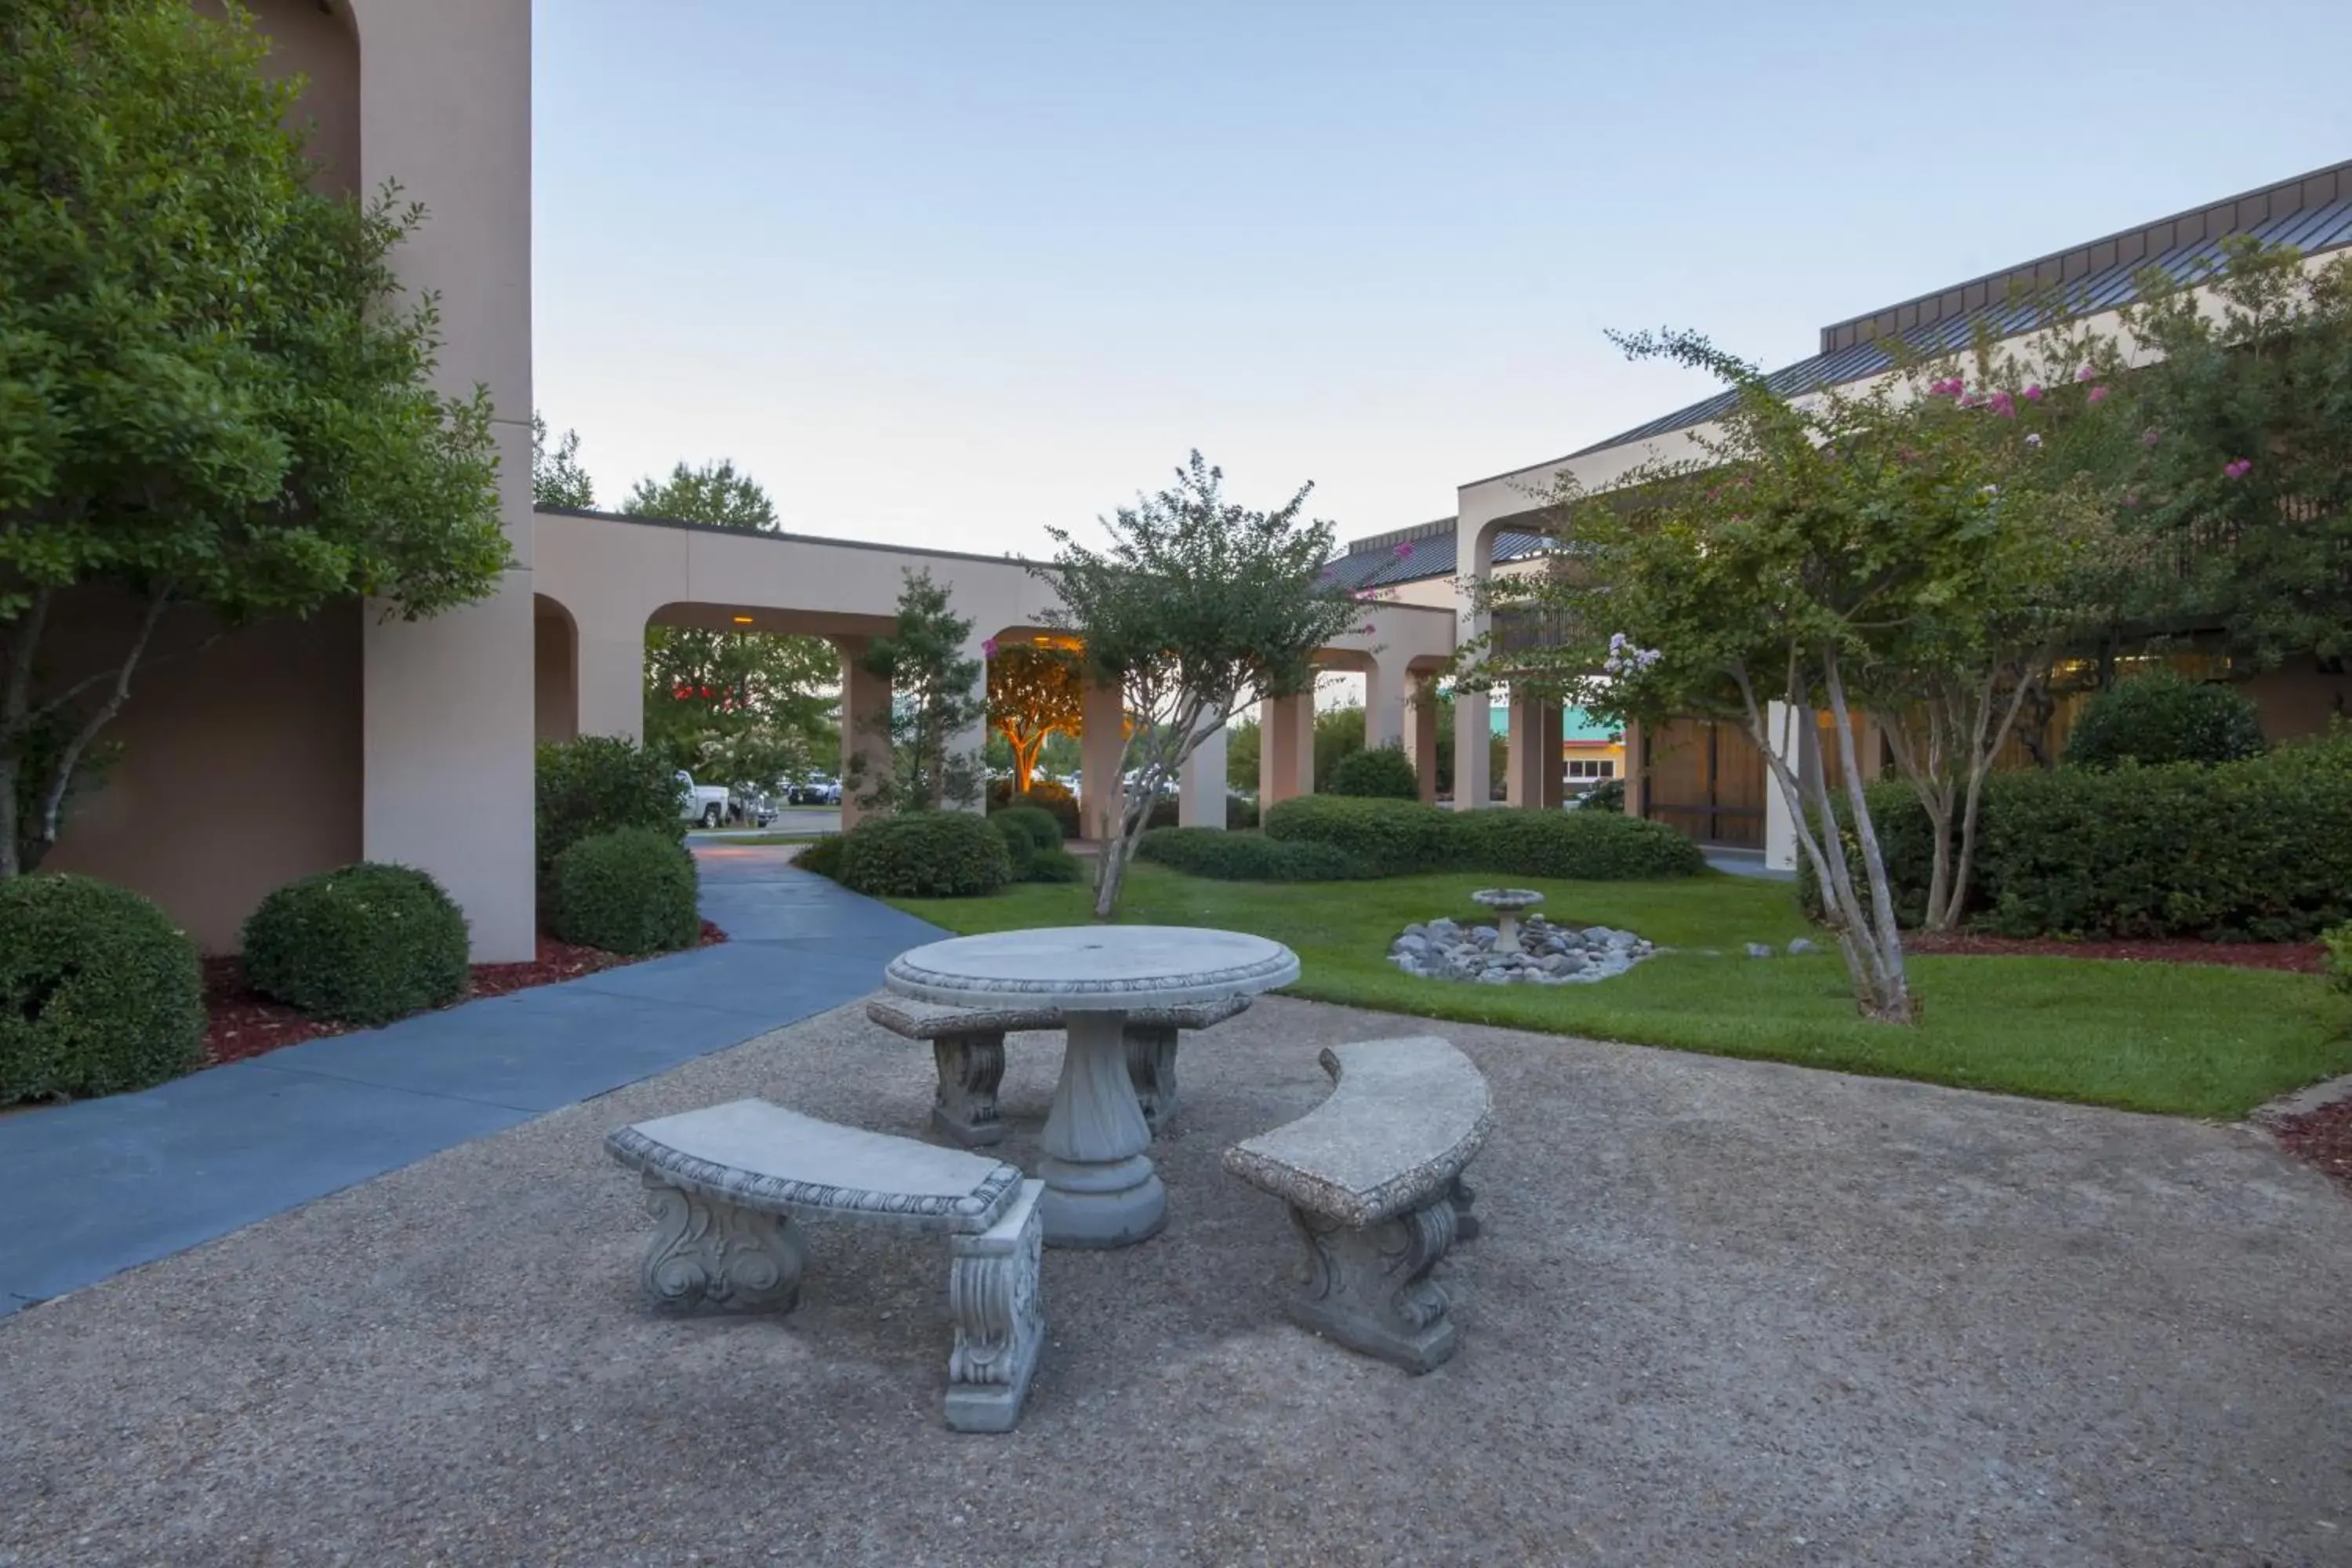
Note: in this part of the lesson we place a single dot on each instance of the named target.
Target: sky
(947, 273)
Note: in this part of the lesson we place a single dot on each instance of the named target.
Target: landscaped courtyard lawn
(2187, 1039)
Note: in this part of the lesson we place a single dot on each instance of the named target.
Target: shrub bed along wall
(630, 892)
(1226, 856)
(926, 855)
(100, 992)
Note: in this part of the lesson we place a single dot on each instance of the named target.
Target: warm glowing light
(742, 620)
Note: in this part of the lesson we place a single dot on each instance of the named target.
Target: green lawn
(2194, 1040)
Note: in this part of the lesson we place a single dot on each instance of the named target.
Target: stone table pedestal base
(1100, 1188)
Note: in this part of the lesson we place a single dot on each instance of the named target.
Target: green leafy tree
(1887, 552)
(1196, 607)
(2238, 497)
(1034, 692)
(557, 479)
(215, 400)
(713, 494)
(1338, 735)
(747, 709)
(938, 696)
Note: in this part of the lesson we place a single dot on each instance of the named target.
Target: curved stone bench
(725, 1186)
(1373, 1178)
(969, 1045)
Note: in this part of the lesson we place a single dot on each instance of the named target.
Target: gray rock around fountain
(1548, 954)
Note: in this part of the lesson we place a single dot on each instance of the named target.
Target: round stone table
(1100, 1188)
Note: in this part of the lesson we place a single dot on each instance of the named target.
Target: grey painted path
(89, 1190)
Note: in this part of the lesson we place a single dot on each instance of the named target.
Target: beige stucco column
(1420, 734)
(612, 677)
(972, 744)
(1385, 694)
(1286, 748)
(1637, 772)
(1102, 758)
(1471, 780)
(1201, 793)
(1523, 769)
(865, 735)
(449, 704)
(1551, 727)
(1780, 721)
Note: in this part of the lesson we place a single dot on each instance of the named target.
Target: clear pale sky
(944, 273)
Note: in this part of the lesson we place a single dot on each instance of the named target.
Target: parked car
(816, 789)
(754, 807)
(705, 803)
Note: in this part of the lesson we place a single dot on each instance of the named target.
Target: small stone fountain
(1507, 903)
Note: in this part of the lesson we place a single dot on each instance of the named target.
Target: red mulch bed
(246, 1025)
(2303, 957)
(2323, 1137)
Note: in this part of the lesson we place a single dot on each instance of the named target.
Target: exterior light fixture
(742, 620)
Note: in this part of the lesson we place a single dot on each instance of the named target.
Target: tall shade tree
(1890, 553)
(1196, 606)
(1034, 692)
(215, 400)
(938, 696)
(743, 708)
(557, 479)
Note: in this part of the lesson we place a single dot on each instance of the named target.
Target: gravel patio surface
(1723, 1312)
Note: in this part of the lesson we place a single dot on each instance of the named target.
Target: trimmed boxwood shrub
(1603, 847)
(630, 892)
(1391, 837)
(823, 855)
(926, 855)
(1229, 856)
(2164, 717)
(1054, 800)
(2254, 850)
(598, 784)
(100, 992)
(360, 944)
(1609, 794)
(1383, 772)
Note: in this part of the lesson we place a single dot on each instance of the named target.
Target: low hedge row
(360, 944)
(100, 992)
(2254, 850)
(1231, 856)
(926, 855)
(1399, 837)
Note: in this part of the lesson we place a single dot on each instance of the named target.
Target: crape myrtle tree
(746, 709)
(938, 696)
(1034, 692)
(1196, 607)
(215, 400)
(1904, 555)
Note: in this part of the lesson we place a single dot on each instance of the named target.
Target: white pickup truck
(705, 803)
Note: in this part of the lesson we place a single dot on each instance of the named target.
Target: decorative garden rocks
(1373, 1178)
(726, 1186)
(1546, 954)
(1507, 903)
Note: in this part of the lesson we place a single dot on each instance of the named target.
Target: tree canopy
(712, 493)
(938, 696)
(1034, 692)
(557, 479)
(214, 392)
(1196, 606)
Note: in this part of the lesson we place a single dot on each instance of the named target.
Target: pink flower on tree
(2086, 372)
(2238, 468)
(2149, 436)
(1404, 551)
(2098, 394)
(1949, 386)
(2034, 394)
(988, 649)
(2003, 404)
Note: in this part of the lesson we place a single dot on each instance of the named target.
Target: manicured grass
(2184, 1039)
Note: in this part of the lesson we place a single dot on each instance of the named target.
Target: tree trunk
(1890, 997)
(16, 724)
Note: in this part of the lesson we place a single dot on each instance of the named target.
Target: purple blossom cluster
(2238, 468)
(1624, 658)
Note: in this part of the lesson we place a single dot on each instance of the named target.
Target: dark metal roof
(2312, 211)
(1417, 553)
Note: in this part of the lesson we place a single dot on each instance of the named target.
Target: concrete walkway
(90, 1190)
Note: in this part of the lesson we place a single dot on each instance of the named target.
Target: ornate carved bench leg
(1465, 1223)
(997, 1299)
(706, 1249)
(970, 1067)
(1370, 1289)
(1151, 1064)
